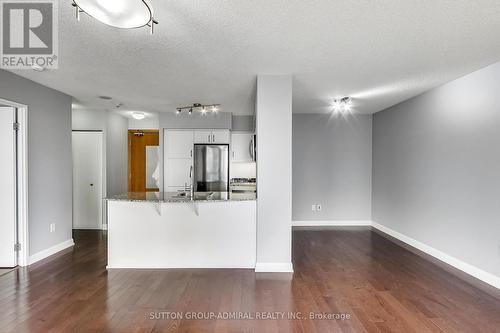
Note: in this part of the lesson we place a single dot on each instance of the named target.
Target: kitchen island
(172, 230)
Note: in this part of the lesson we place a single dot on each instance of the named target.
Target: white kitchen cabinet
(178, 173)
(242, 147)
(202, 136)
(178, 154)
(221, 136)
(178, 144)
(212, 136)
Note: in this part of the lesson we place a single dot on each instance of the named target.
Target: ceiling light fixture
(125, 14)
(202, 108)
(138, 115)
(343, 104)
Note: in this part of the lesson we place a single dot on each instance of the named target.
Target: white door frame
(22, 181)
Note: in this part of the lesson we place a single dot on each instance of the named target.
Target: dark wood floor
(356, 272)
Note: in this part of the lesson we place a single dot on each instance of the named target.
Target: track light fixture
(202, 108)
(343, 104)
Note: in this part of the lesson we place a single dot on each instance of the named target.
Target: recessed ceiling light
(37, 68)
(105, 97)
(138, 115)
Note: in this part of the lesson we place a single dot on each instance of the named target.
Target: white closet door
(8, 223)
(87, 180)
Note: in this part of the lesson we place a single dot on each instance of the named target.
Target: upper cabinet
(212, 136)
(221, 136)
(202, 136)
(178, 144)
(243, 147)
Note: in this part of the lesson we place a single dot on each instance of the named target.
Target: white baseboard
(274, 267)
(478, 273)
(334, 223)
(50, 251)
(149, 267)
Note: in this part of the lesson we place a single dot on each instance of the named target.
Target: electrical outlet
(52, 227)
(313, 208)
(318, 208)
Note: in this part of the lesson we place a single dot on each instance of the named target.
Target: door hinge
(17, 247)
(16, 126)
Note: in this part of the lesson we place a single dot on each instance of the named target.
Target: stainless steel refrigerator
(211, 168)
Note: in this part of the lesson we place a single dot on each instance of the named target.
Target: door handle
(209, 138)
(213, 137)
(251, 150)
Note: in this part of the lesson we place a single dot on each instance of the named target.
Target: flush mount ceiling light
(343, 104)
(138, 115)
(125, 14)
(202, 108)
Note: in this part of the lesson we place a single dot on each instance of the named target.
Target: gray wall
(49, 158)
(114, 127)
(221, 120)
(332, 166)
(436, 168)
(243, 123)
(116, 154)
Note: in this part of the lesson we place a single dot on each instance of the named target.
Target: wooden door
(142, 145)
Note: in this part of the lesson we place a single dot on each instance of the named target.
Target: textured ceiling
(379, 52)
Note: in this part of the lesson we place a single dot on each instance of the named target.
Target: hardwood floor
(381, 286)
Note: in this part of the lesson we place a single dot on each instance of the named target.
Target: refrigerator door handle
(252, 148)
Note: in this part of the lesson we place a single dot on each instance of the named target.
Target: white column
(274, 173)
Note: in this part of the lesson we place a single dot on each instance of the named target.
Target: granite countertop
(176, 197)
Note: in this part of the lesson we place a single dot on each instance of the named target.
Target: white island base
(219, 234)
